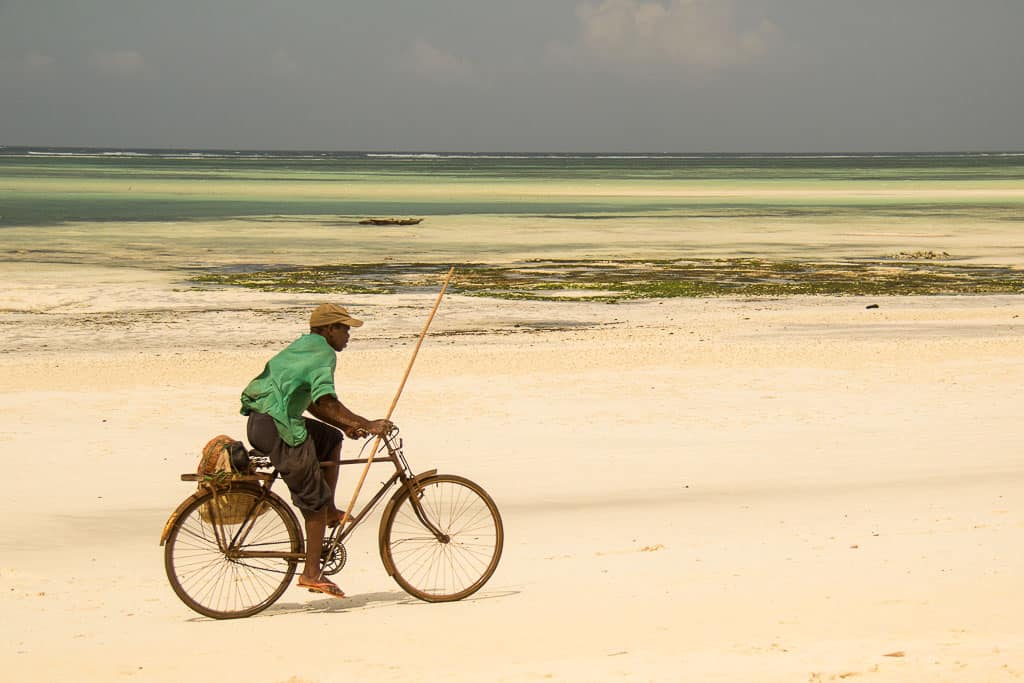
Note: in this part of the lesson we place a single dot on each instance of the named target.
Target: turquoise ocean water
(172, 209)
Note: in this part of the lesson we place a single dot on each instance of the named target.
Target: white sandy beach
(797, 489)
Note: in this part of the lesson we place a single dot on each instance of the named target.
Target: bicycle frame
(403, 476)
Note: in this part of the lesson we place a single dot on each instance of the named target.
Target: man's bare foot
(334, 517)
(321, 585)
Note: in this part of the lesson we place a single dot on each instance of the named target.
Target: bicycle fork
(415, 494)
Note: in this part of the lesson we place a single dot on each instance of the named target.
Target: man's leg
(300, 468)
(328, 442)
(332, 471)
(315, 525)
(311, 577)
(310, 485)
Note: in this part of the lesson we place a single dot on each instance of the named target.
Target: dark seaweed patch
(619, 280)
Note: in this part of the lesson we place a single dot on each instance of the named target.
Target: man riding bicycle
(298, 379)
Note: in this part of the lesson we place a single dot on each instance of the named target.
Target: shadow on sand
(359, 602)
(351, 603)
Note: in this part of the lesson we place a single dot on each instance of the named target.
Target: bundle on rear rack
(222, 459)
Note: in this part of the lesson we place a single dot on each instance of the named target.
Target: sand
(798, 489)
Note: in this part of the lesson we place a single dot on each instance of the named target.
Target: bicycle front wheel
(222, 584)
(458, 563)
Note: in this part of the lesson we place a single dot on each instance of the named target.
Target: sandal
(325, 586)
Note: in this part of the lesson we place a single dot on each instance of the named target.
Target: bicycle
(232, 548)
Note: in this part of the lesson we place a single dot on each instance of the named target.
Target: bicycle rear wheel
(458, 564)
(215, 583)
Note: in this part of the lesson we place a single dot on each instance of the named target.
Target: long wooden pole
(398, 394)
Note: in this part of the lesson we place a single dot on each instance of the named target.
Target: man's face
(337, 336)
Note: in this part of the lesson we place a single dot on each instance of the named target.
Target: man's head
(332, 322)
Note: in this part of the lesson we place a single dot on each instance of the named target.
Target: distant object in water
(391, 221)
(917, 255)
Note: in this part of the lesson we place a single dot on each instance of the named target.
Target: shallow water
(210, 210)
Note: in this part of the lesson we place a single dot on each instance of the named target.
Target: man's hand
(375, 427)
(379, 427)
(355, 433)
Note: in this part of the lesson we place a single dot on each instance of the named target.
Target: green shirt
(291, 381)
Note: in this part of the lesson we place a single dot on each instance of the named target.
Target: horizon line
(412, 152)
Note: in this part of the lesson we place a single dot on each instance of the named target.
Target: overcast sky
(519, 75)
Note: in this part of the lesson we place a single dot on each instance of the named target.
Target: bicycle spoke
(456, 565)
(220, 585)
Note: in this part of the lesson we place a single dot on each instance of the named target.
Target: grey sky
(528, 75)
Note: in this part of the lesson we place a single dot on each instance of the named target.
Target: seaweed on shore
(628, 279)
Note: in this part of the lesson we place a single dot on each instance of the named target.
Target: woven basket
(215, 462)
(230, 508)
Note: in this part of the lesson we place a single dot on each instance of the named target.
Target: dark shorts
(299, 466)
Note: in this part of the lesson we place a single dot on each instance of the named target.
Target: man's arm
(330, 410)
